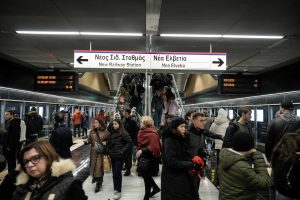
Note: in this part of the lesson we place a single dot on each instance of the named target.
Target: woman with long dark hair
(119, 144)
(286, 167)
(149, 148)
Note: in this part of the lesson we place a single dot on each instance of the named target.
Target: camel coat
(96, 159)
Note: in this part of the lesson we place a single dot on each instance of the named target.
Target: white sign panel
(149, 60)
(188, 61)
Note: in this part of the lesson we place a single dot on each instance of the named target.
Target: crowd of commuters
(180, 145)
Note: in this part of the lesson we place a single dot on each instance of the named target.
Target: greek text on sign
(149, 60)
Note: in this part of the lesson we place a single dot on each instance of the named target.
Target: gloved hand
(197, 167)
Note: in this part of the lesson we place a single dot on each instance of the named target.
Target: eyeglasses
(34, 160)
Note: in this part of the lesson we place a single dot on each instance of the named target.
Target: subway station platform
(133, 188)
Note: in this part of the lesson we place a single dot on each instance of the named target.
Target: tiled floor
(133, 188)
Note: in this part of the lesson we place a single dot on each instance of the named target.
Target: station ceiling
(152, 18)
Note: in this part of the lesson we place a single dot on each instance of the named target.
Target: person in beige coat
(219, 126)
(97, 135)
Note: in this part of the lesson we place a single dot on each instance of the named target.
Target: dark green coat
(240, 176)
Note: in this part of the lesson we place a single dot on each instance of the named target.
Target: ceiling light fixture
(48, 32)
(111, 34)
(224, 36)
(253, 36)
(191, 35)
(77, 33)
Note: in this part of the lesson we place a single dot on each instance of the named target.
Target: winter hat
(177, 121)
(242, 142)
(288, 105)
(117, 116)
(222, 113)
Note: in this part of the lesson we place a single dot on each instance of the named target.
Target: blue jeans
(157, 118)
(117, 164)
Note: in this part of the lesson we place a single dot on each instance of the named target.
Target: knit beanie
(242, 142)
(222, 113)
(286, 104)
(177, 121)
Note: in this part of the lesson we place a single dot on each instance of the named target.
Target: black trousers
(76, 130)
(11, 158)
(128, 160)
(149, 183)
(117, 165)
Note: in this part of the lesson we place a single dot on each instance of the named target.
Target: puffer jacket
(238, 179)
(119, 144)
(285, 123)
(219, 126)
(59, 185)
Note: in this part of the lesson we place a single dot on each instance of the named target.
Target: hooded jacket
(219, 126)
(59, 185)
(34, 123)
(240, 176)
(175, 178)
(285, 123)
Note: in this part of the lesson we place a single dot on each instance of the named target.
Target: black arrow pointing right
(220, 62)
(79, 60)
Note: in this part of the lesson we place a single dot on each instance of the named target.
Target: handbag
(99, 148)
(106, 164)
(143, 165)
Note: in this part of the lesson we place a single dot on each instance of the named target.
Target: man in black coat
(238, 126)
(61, 136)
(131, 127)
(287, 122)
(196, 141)
(34, 125)
(12, 139)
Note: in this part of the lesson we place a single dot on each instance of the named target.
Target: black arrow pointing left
(220, 62)
(80, 60)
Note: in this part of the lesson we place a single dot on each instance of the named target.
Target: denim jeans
(157, 118)
(117, 165)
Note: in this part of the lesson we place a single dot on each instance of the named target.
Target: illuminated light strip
(191, 35)
(224, 36)
(77, 33)
(48, 32)
(253, 36)
(111, 34)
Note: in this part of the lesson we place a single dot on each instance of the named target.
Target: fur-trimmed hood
(58, 168)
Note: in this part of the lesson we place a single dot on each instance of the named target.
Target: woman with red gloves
(176, 182)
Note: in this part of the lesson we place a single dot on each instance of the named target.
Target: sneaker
(127, 173)
(117, 195)
(115, 192)
(154, 191)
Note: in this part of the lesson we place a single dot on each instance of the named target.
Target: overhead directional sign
(85, 59)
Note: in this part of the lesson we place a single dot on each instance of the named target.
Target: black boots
(98, 184)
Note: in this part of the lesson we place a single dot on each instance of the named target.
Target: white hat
(117, 116)
(222, 112)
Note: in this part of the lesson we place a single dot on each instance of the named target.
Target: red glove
(198, 160)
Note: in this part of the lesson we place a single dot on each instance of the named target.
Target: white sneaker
(115, 192)
(117, 195)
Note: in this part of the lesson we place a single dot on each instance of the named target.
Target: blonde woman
(149, 148)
